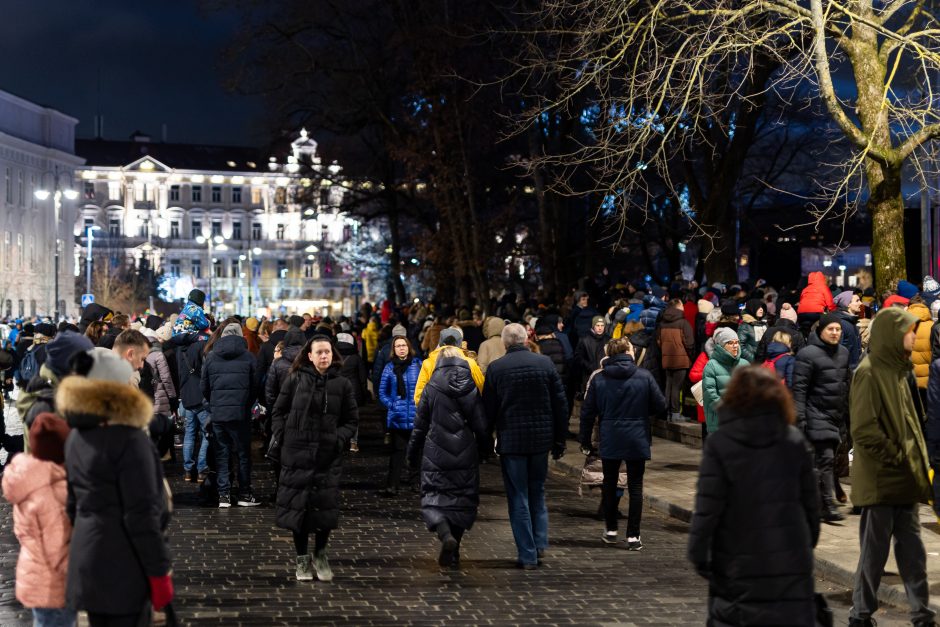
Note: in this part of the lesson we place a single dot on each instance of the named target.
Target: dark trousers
(302, 541)
(233, 437)
(675, 381)
(878, 524)
(118, 620)
(635, 470)
(825, 464)
(396, 461)
(445, 529)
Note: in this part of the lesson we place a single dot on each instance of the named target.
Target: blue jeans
(233, 436)
(56, 617)
(524, 479)
(194, 420)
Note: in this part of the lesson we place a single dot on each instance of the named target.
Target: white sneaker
(609, 537)
(324, 572)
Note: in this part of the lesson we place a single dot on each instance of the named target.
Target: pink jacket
(37, 490)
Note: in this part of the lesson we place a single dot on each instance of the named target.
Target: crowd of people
(786, 385)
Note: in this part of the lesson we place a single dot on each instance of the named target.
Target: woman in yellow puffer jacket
(921, 354)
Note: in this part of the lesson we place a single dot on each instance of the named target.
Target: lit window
(175, 193)
(216, 193)
(280, 231)
(196, 193)
(256, 195)
(216, 227)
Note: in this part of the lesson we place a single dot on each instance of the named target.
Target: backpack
(29, 367)
(771, 364)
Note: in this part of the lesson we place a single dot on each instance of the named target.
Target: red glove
(161, 591)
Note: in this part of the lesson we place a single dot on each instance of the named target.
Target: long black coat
(116, 498)
(230, 380)
(756, 522)
(314, 418)
(821, 390)
(278, 372)
(449, 427)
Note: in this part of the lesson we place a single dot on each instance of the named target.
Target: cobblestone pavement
(234, 567)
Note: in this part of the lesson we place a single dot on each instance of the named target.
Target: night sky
(159, 62)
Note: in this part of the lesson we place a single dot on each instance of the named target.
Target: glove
(161, 591)
(558, 451)
(587, 451)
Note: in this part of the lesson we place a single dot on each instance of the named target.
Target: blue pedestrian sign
(87, 299)
(355, 288)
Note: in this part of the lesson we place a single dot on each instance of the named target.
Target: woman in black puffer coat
(820, 392)
(756, 517)
(314, 418)
(450, 425)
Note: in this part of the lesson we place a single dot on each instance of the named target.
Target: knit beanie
(730, 308)
(895, 299)
(252, 323)
(705, 306)
(723, 335)
(906, 289)
(296, 321)
(345, 338)
(154, 322)
(233, 329)
(787, 312)
(47, 438)
(399, 331)
(60, 351)
(844, 299)
(931, 286)
(826, 320)
(451, 337)
(198, 297)
(107, 366)
(597, 320)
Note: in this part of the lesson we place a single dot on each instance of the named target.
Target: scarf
(400, 366)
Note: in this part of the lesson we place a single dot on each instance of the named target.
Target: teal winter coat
(715, 379)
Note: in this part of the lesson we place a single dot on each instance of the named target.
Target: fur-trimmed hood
(87, 403)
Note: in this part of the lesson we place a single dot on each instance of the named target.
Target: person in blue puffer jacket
(397, 394)
(192, 318)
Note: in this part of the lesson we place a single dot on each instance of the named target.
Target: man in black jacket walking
(525, 404)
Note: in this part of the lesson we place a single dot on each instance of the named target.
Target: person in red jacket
(815, 300)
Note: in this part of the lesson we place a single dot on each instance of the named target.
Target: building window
(256, 268)
(280, 195)
(325, 233)
(309, 268)
(175, 229)
(216, 193)
(21, 183)
(196, 228)
(256, 195)
(32, 190)
(280, 231)
(174, 267)
(197, 268)
(216, 228)
(236, 271)
(89, 222)
(114, 190)
(144, 230)
(236, 230)
(236, 195)
(89, 190)
(20, 250)
(114, 227)
(175, 193)
(139, 191)
(9, 186)
(282, 268)
(196, 193)
(217, 268)
(256, 230)
(21, 306)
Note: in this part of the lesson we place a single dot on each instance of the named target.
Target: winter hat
(296, 321)
(154, 322)
(930, 286)
(723, 335)
(826, 320)
(719, 287)
(60, 351)
(543, 327)
(787, 312)
(232, 329)
(252, 324)
(906, 289)
(398, 331)
(46, 329)
(598, 319)
(451, 337)
(895, 299)
(107, 366)
(730, 308)
(345, 338)
(844, 299)
(198, 297)
(150, 334)
(621, 315)
(47, 438)
(705, 306)
(713, 316)
(164, 333)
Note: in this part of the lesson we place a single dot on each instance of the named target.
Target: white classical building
(37, 154)
(260, 235)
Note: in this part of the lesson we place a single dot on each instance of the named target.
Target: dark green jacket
(715, 379)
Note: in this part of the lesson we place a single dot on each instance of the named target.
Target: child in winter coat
(35, 483)
(780, 357)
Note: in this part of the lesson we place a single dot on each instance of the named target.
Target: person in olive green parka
(890, 468)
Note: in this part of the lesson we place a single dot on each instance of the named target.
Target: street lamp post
(217, 239)
(57, 193)
(89, 235)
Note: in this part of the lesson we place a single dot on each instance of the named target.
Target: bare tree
(674, 79)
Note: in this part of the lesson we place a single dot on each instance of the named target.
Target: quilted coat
(401, 411)
(715, 379)
(821, 390)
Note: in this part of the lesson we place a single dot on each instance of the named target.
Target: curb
(893, 594)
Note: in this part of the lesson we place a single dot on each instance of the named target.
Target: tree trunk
(886, 207)
(395, 257)
(546, 254)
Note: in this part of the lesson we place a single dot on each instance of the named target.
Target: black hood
(277, 336)
(759, 428)
(775, 349)
(293, 337)
(345, 349)
(619, 366)
(230, 347)
(452, 377)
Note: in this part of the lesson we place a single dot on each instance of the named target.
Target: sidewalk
(669, 487)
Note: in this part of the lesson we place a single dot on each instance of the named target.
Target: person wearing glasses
(721, 365)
